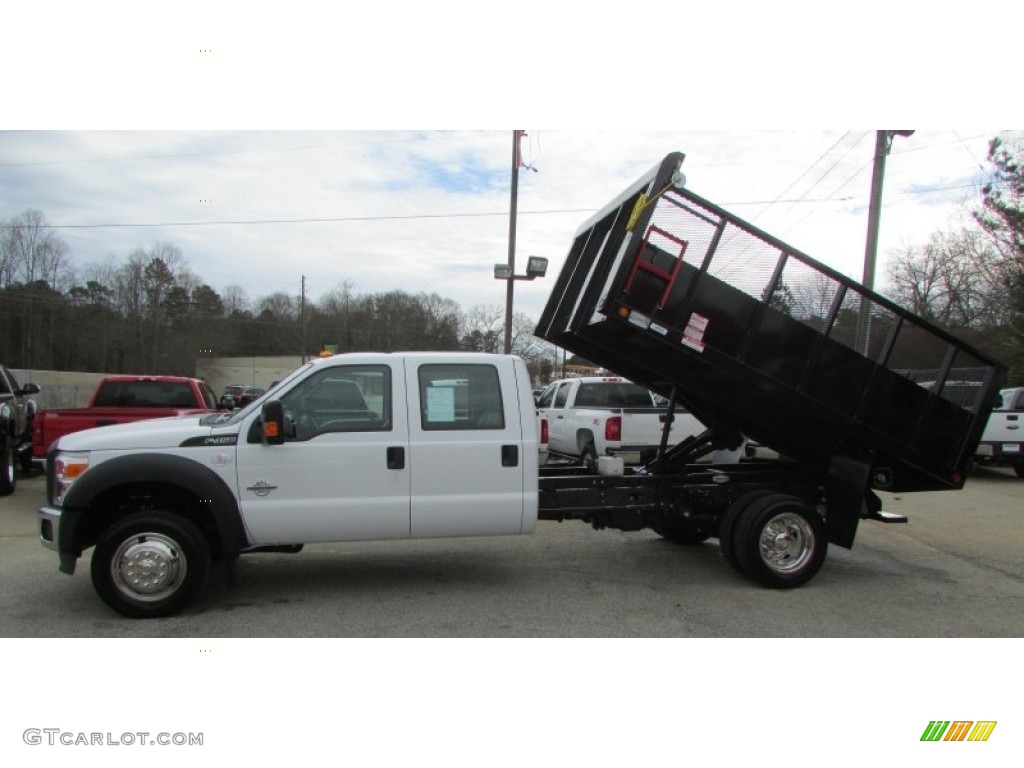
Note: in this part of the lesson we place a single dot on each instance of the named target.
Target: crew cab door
(561, 432)
(467, 447)
(343, 470)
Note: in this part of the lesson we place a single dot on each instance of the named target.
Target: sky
(429, 210)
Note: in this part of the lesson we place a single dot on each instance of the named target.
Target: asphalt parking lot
(956, 570)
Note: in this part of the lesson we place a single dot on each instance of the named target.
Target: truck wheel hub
(148, 566)
(787, 543)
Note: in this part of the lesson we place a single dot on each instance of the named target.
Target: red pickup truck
(121, 399)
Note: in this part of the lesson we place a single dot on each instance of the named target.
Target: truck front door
(343, 471)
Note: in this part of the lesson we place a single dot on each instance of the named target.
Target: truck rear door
(561, 431)
(469, 458)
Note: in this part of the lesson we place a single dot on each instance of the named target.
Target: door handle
(396, 457)
(510, 455)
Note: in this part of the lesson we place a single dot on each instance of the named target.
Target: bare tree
(236, 300)
(483, 328)
(30, 251)
(953, 280)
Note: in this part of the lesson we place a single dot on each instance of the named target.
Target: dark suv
(248, 395)
(231, 395)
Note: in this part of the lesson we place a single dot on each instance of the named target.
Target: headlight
(67, 468)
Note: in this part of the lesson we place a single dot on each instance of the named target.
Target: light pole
(516, 161)
(536, 266)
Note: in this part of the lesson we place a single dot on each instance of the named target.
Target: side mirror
(273, 422)
(30, 389)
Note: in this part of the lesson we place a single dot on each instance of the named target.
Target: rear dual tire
(774, 539)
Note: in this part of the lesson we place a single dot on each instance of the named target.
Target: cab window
(547, 396)
(460, 397)
(563, 395)
(350, 398)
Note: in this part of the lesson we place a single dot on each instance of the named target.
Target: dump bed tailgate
(673, 292)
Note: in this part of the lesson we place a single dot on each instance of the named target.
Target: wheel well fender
(584, 436)
(136, 472)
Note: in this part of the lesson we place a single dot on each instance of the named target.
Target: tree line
(150, 313)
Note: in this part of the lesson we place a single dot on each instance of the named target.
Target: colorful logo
(959, 730)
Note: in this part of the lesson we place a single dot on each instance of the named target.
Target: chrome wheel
(148, 567)
(150, 564)
(780, 541)
(786, 543)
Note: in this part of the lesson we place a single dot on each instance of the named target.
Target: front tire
(8, 480)
(780, 542)
(150, 564)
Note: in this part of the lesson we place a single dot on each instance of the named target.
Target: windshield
(241, 413)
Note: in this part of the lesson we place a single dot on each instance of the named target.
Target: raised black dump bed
(756, 337)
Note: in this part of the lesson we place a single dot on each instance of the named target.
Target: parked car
(248, 395)
(122, 399)
(230, 395)
(1002, 441)
(17, 412)
(598, 416)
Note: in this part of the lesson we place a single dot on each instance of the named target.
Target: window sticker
(441, 404)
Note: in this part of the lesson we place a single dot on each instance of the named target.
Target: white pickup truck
(1002, 443)
(595, 416)
(364, 446)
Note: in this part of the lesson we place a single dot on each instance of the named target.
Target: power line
(797, 179)
(300, 221)
(342, 219)
(967, 149)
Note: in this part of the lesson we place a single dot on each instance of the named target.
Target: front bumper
(49, 527)
(49, 536)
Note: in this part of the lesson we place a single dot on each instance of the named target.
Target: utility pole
(883, 143)
(302, 316)
(510, 283)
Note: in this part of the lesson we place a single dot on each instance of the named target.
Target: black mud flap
(848, 488)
